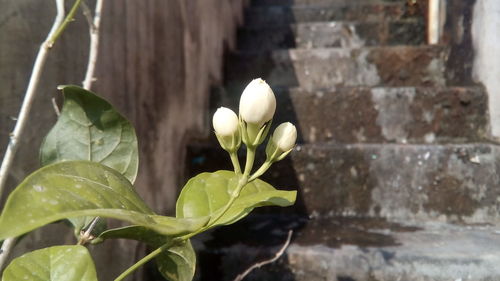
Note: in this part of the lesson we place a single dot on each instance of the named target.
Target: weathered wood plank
(156, 64)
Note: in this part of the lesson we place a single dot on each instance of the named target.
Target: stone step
(316, 2)
(334, 67)
(283, 15)
(347, 249)
(381, 114)
(394, 181)
(331, 34)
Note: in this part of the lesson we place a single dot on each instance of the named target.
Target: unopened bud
(282, 142)
(257, 107)
(257, 103)
(225, 122)
(285, 136)
(226, 126)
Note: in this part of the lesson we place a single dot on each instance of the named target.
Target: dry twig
(265, 262)
(23, 115)
(94, 41)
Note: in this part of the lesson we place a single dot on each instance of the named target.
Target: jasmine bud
(257, 103)
(226, 127)
(225, 122)
(282, 142)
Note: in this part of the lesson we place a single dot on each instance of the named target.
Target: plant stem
(234, 195)
(250, 159)
(94, 43)
(261, 170)
(23, 117)
(144, 260)
(241, 183)
(236, 162)
(69, 18)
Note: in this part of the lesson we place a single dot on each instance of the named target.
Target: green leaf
(58, 263)
(89, 128)
(207, 194)
(178, 263)
(82, 188)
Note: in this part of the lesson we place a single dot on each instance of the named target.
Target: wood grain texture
(156, 64)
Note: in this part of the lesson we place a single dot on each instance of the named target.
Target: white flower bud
(257, 103)
(225, 122)
(285, 136)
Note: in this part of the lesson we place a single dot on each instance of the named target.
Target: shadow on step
(226, 252)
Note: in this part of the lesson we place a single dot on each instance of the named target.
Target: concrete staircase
(396, 179)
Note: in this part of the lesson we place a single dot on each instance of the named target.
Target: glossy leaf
(89, 128)
(81, 188)
(178, 263)
(68, 263)
(207, 193)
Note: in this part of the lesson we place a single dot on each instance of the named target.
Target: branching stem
(244, 179)
(61, 27)
(22, 118)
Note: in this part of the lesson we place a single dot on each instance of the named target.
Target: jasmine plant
(90, 162)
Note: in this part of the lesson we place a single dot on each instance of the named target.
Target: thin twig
(262, 263)
(88, 15)
(23, 117)
(94, 42)
(28, 99)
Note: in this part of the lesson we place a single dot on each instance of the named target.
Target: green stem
(67, 20)
(241, 183)
(236, 162)
(142, 261)
(249, 162)
(261, 170)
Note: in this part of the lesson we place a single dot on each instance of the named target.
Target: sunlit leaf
(58, 263)
(207, 194)
(89, 128)
(81, 188)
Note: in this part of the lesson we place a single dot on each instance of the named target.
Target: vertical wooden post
(435, 20)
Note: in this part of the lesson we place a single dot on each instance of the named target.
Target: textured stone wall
(156, 64)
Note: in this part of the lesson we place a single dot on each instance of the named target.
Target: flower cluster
(257, 108)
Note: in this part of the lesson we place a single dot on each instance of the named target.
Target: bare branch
(94, 42)
(23, 116)
(265, 262)
(88, 14)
